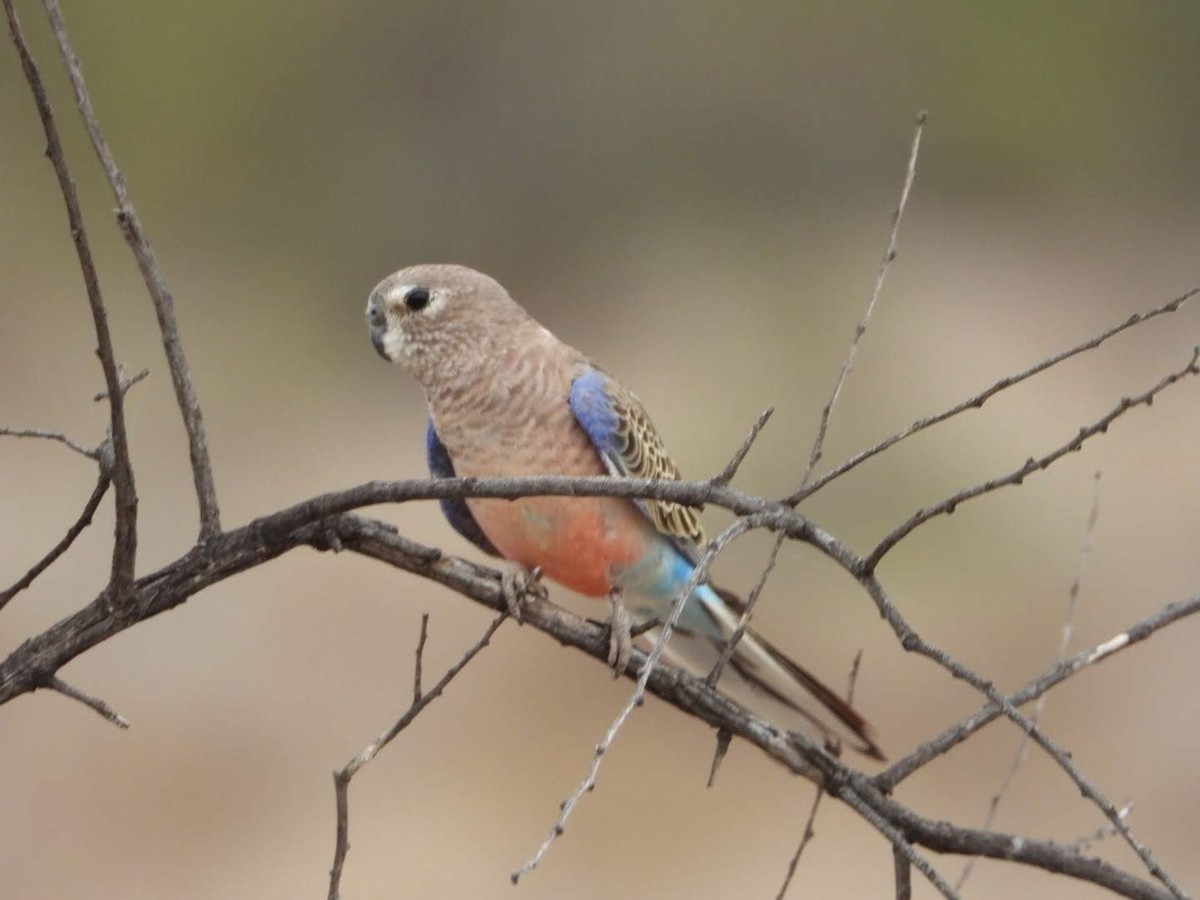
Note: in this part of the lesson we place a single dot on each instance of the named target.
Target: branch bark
(125, 543)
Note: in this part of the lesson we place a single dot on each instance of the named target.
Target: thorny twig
(809, 825)
(93, 703)
(976, 401)
(888, 255)
(1022, 752)
(84, 520)
(956, 734)
(342, 777)
(1031, 465)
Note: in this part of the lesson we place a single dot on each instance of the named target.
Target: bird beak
(376, 325)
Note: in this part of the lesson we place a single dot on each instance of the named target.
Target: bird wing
(619, 428)
(456, 511)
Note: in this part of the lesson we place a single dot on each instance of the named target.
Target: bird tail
(768, 672)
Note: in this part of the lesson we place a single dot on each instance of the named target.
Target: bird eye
(417, 299)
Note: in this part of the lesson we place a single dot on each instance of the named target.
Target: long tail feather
(769, 671)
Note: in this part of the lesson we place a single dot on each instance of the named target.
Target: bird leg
(517, 584)
(620, 644)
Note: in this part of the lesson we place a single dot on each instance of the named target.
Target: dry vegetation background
(696, 194)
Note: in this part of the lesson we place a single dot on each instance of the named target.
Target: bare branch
(765, 515)
(1022, 752)
(164, 304)
(93, 703)
(945, 837)
(28, 666)
(84, 520)
(282, 530)
(901, 844)
(914, 643)
(888, 255)
(341, 778)
(125, 544)
(1031, 465)
(903, 872)
(952, 737)
(976, 401)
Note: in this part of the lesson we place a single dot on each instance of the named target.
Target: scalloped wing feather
(621, 431)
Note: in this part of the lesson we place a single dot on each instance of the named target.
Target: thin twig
(84, 520)
(588, 783)
(419, 658)
(125, 543)
(342, 777)
(730, 645)
(810, 823)
(808, 834)
(1031, 465)
(726, 474)
(888, 255)
(901, 845)
(1039, 709)
(93, 703)
(989, 712)
(164, 304)
(946, 837)
(914, 643)
(1102, 833)
(89, 452)
(976, 401)
(126, 383)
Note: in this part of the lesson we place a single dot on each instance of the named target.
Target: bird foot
(620, 643)
(517, 585)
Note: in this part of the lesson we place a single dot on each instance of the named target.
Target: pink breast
(577, 541)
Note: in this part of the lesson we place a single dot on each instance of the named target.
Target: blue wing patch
(596, 415)
(619, 429)
(456, 511)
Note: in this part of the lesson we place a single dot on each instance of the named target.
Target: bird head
(440, 322)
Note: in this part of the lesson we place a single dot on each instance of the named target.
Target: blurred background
(697, 194)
